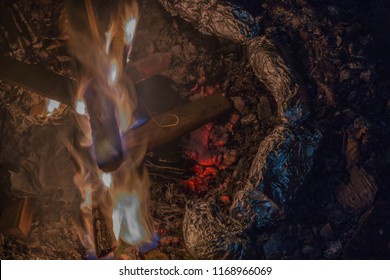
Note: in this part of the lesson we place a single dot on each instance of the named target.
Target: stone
(326, 231)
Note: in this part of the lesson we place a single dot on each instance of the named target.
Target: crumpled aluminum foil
(272, 67)
(223, 20)
(271, 64)
(283, 160)
(254, 209)
(38, 148)
(210, 234)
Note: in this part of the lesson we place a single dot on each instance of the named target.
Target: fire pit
(227, 134)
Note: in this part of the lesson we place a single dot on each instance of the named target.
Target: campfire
(176, 130)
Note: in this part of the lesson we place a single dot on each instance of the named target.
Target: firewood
(37, 79)
(105, 132)
(166, 127)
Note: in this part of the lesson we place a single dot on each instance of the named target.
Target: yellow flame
(128, 189)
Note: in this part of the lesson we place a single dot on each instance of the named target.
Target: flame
(52, 105)
(130, 214)
(123, 194)
(113, 74)
(130, 26)
(81, 108)
(107, 179)
(109, 35)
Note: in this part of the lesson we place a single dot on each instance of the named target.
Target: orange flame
(103, 62)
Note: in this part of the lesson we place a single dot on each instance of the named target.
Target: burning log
(62, 89)
(166, 127)
(105, 132)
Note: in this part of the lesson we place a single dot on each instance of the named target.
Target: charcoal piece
(107, 141)
(284, 159)
(254, 209)
(215, 18)
(273, 67)
(210, 234)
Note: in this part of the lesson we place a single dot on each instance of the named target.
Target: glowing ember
(52, 105)
(207, 148)
(81, 108)
(107, 179)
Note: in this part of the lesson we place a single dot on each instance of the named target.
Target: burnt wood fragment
(17, 215)
(105, 242)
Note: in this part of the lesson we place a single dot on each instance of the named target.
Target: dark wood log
(106, 138)
(166, 127)
(37, 79)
